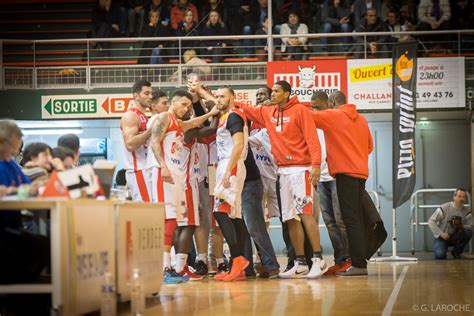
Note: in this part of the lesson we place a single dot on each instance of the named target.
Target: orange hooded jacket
(292, 133)
(348, 140)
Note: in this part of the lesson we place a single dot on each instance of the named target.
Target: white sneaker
(319, 268)
(298, 271)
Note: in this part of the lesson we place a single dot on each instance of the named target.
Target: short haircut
(319, 95)
(33, 150)
(9, 130)
(137, 86)
(231, 91)
(268, 89)
(395, 11)
(62, 153)
(459, 189)
(120, 178)
(180, 93)
(284, 85)
(157, 95)
(338, 97)
(70, 141)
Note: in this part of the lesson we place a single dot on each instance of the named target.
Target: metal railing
(415, 206)
(74, 63)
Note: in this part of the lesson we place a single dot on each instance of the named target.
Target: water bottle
(226, 250)
(108, 306)
(137, 295)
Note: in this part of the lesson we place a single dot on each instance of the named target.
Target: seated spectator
(38, 162)
(216, 5)
(434, 15)
(105, 23)
(66, 156)
(262, 44)
(188, 27)
(156, 50)
(409, 25)
(451, 225)
(194, 64)
(463, 9)
(394, 24)
(253, 20)
(180, 7)
(335, 18)
(72, 142)
(136, 17)
(360, 8)
(376, 45)
(214, 27)
(294, 47)
(162, 9)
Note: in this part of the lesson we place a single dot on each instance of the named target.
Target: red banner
(305, 77)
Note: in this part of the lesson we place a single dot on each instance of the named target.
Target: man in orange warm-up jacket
(297, 153)
(348, 144)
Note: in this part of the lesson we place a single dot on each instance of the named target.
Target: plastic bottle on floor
(137, 295)
(108, 306)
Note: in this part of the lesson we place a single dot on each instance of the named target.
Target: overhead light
(51, 131)
(423, 119)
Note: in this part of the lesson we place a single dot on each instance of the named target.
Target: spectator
(375, 44)
(294, 47)
(179, 9)
(188, 27)
(262, 44)
(434, 15)
(105, 23)
(120, 5)
(194, 64)
(253, 21)
(463, 9)
(451, 225)
(66, 156)
(136, 17)
(162, 9)
(217, 5)
(215, 27)
(72, 142)
(38, 162)
(361, 7)
(409, 26)
(154, 28)
(335, 18)
(394, 24)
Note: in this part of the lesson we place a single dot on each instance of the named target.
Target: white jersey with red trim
(262, 153)
(224, 140)
(137, 159)
(195, 162)
(203, 157)
(174, 153)
(150, 156)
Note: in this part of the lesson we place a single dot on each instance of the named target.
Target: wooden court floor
(424, 288)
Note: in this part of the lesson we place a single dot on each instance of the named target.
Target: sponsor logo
(404, 67)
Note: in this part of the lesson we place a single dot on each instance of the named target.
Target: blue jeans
(329, 203)
(441, 246)
(328, 28)
(156, 58)
(252, 212)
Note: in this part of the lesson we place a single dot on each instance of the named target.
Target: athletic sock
(317, 254)
(166, 260)
(301, 260)
(181, 259)
(202, 257)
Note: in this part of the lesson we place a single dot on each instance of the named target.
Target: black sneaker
(201, 268)
(222, 267)
(456, 256)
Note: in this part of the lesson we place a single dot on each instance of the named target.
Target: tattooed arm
(160, 127)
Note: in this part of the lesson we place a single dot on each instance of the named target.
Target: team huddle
(217, 164)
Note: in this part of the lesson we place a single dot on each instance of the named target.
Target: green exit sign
(80, 106)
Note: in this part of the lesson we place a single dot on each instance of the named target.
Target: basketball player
(296, 149)
(135, 139)
(173, 158)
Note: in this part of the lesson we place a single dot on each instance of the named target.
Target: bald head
(336, 99)
(319, 100)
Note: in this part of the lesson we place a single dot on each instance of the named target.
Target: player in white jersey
(135, 140)
(231, 140)
(159, 104)
(173, 157)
